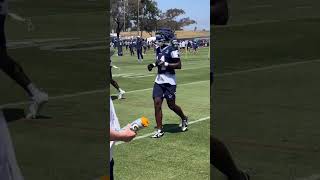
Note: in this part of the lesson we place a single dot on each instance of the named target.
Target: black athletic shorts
(166, 90)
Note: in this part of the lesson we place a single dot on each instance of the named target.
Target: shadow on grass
(15, 114)
(171, 128)
(116, 98)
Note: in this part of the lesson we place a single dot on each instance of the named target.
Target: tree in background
(146, 16)
(117, 11)
(149, 20)
(169, 19)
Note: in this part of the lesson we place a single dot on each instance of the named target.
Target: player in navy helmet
(168, 59)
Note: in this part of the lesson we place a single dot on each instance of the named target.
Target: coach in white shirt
(125, 134)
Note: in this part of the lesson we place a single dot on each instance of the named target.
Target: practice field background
(66, 56)
(266, 92)
(177, 155)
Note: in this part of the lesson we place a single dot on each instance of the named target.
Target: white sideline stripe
(312, 177)
(147, 89)
(134, 75)
(196, 82)
(267, 68)
(149, 134)
(58, 97)
(81, 49)
(261, 22)
(90, 92)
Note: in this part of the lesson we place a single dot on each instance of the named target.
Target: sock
(33, 89)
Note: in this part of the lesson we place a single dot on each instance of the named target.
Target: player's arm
(176, 65)
(175, 55)
(124, 135)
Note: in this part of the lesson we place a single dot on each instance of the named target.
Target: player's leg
(158, 111)
(116, 85)
(15, 72)
(7, 65)
(141, 55)
(157, 100)
(138, 54)
(222, 160)
(170, 95)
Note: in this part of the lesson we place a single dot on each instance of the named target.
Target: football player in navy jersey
(220, 156)
(168, 59)
(15, 71)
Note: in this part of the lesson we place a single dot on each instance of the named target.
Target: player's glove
(151, 66)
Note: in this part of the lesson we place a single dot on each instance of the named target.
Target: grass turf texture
(177, 155)
(68, 140)
(269, 117)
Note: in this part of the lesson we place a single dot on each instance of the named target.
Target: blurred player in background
(113, 82)
(131, 47)
(220, 156)
(195, 47)
(139, 46)
(168, 59)
(37, 97)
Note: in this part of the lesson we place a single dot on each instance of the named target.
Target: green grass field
(266, 88)
(68, 140)
(177, 155)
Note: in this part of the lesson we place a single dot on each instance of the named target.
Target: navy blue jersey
(139, 44)
(169, 54)
(158, 50)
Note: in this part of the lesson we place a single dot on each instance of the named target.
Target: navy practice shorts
(166, 90)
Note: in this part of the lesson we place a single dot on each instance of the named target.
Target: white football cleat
(36, 104)
(158, 134)
(184, 124)
(121, 94)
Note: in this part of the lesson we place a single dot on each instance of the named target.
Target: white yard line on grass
(89, 93)
(141, 75)
(267, 68)
(312, 177)
(149, 134)
(196, 82)
(261, 22)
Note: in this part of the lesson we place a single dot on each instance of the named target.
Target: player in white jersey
(116, 134)
(168, 59)
(9, 169)
(15, 71)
